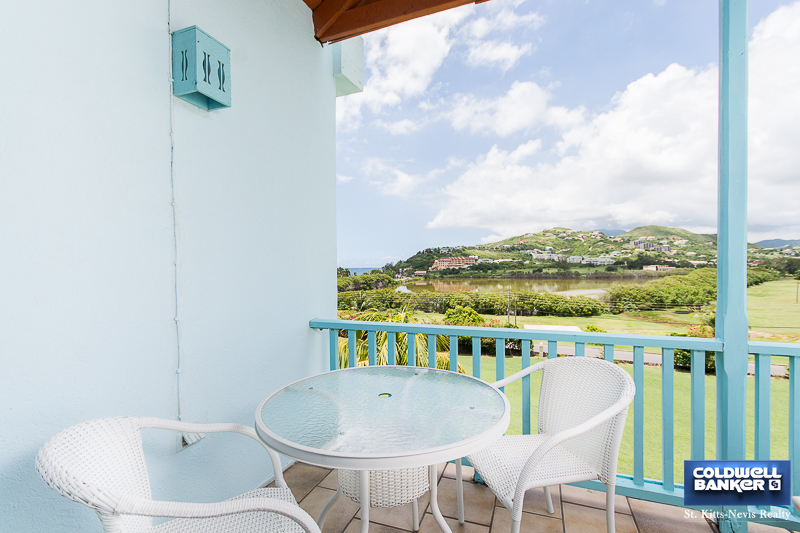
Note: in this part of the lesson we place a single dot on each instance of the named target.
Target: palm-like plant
(401, 342)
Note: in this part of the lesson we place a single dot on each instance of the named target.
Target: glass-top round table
(383, 418)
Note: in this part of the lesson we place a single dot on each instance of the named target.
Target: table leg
(459, 491)
(364, 497)
(437, 514)
(328, 507)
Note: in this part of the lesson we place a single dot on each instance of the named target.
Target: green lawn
(779, 415)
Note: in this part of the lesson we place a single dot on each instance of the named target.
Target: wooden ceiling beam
(382, 13)
(327, 12)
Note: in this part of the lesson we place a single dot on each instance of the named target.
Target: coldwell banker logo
(737, 482)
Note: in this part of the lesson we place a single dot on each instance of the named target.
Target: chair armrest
(152, 508)
(522, 484)
(186, 427)
(519, 375)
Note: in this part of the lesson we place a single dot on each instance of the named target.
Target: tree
(342, 272)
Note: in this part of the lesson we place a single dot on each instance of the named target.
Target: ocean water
(359, 271)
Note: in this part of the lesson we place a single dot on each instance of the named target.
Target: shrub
(683, 358)
(463, 316)
(594, 329)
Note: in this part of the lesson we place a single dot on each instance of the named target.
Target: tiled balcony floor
(576, 510)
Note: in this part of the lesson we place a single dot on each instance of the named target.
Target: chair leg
(365, 501)
(324, 514)
(459, 492)
(610, 508)
(415, 515)
(515, 524)
(549, 500)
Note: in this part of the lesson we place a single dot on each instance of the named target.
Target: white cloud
(503, 20)
(650, 159)
(774, 115)
(400, 62)
(391, 181)
(400, 127)
(494, 53)
(343, 179)
(523, 108)
(632, 163)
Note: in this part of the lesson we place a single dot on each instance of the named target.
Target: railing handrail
(787, 349)
(653, 341)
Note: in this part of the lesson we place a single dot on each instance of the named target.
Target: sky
(511, 116)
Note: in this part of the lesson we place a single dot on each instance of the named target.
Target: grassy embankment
(779, 415)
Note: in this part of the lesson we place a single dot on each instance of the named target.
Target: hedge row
(525, 303)
(697, 288)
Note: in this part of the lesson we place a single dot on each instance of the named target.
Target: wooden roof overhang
(336, 20)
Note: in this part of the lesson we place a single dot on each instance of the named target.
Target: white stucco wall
(87, 240)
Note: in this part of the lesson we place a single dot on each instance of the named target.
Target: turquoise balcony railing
(665, 490)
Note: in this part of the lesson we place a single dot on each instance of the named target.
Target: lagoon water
(571, 287)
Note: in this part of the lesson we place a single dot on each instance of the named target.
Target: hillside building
(453, 262)
(598, 261)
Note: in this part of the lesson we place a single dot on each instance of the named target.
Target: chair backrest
(96, 462)
(575, 389)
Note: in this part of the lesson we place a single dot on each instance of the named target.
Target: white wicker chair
(583, 403)
(101, 464)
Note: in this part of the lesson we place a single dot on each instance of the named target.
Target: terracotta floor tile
(530, 522)
(535, 502)
(467, 472)
(581, 519)
(593, 498)
(659, 518)
(753, 527)
(339, 516)
(399, 517)
(355, 527)
(302, 478)
(478, 501)
(429, 525)
(331, 481)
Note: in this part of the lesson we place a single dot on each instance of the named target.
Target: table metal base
(437, 514)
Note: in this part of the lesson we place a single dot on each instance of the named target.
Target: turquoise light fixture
(201, 69)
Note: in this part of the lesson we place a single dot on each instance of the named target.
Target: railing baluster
(372, 348)
(667, 416)
(351, 348)
(552, 349)
(476, 357)
(761, 437)
(333, 335)
(431, 351)
(794, 424)
(608, 352)
(454, 353)
(391, 347)
(698, 408)
(500, 361)
(638, 416)
(411, 341)
(526, 388)
(580, 349)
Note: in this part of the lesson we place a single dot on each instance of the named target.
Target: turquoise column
(731, 320)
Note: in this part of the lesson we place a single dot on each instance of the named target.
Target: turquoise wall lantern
(201, 69)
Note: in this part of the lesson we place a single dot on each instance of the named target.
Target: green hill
(654, 245)
(663, 232)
